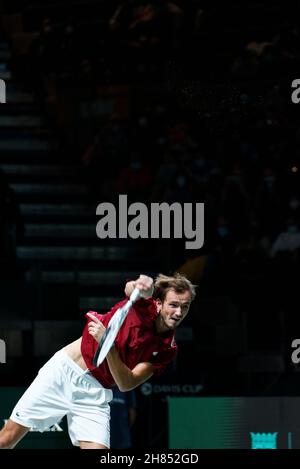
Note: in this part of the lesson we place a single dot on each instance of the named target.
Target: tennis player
(69, 384)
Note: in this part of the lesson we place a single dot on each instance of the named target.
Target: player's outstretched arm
(125, 378)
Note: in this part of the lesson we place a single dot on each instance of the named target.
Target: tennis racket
(113, 328)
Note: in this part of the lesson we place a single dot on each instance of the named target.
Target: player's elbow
(133, 383)
(125, 387)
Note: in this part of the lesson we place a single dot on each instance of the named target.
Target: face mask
(223, 231)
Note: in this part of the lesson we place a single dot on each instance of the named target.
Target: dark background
(162, 101)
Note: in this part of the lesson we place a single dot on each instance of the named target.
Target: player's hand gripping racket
(113, 328)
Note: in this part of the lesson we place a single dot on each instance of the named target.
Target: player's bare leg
(11, 434)
(91, 445)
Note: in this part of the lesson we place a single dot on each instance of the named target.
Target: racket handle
(134, 295)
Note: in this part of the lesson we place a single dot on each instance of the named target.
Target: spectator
(268, 203)
(288, 241)
(44, 58)
(135, 179)
(236, 201)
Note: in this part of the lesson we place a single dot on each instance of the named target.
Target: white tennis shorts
(63, 388)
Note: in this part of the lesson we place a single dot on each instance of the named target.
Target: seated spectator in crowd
(44, 59)
(294, 206)
(268, 203)
(288, 241)
(145, 29)
(135, 179)
(236, 200)
(179, 190)
(165, 174)
(224, 236)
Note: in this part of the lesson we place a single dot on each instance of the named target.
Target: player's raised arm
(129, 287)
(143, 283)
(125, 378)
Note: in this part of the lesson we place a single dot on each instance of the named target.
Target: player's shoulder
(146, 307)
(145, 303)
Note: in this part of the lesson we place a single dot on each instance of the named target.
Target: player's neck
(160, 326)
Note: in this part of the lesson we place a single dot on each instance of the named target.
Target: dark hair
(178, 282)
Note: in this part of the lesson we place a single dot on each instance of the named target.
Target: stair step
(20, 121)
(50, 189)
(20, 109)
(50, 336)
(109, 253)
(36, 170)
(63, 210)
(134, 262)
(95, 303)
(39, 157)
(59, 230)
(85, 278)
(16, 94)
(24, 144)
(32, 134)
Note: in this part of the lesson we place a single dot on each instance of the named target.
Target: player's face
(173, 309)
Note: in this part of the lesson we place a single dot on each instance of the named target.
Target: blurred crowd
(209, 119)
(11, 225)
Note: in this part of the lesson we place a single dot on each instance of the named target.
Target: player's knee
(6, 439)
(11, 434)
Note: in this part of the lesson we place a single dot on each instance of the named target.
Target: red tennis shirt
(136, 342)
